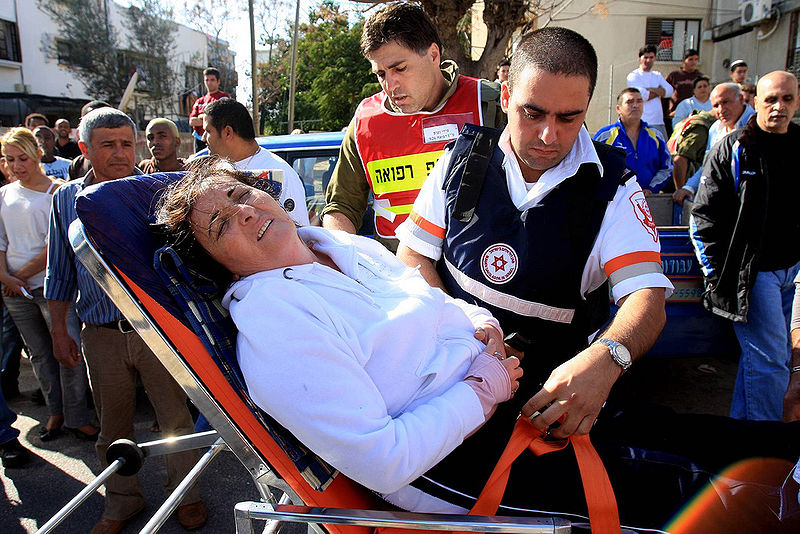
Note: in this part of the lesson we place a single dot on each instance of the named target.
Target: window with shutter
(672, 37)
(9, 41)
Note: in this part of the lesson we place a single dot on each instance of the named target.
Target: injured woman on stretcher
(391, 381)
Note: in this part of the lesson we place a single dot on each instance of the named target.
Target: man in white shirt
(53, 165)
(229, 134)
(653, 87)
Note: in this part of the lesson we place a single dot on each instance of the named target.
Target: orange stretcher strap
(600, 499)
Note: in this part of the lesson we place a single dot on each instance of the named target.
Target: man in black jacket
(747, 239)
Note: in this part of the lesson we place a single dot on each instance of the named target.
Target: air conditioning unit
(755, 12)
(19, 88)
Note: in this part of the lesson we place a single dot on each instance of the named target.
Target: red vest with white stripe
(399, 150)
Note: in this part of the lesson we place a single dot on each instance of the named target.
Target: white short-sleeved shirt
(293, 193)
(626, 251)
(652, 113)
(24, 219)
(59, 168)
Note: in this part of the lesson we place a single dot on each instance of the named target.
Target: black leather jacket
(728, 220)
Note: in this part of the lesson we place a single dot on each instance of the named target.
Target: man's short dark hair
(737, 63)
(648, 48)
(626, 91)
(44, 129)
(93, 105)
(504, 63)
(211, 71)
(690, 52)
(403, 22)
(39, 116)
(699, 79)
(228, 112)
(557, 51)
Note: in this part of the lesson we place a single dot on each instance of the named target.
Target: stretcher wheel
(131, 454)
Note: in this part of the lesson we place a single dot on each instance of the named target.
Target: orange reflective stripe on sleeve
(427, 225)
(631, 258)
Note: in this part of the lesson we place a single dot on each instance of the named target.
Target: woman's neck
(322, 258)
(37, 182)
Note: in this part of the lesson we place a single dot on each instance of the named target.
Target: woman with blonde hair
(24, 219)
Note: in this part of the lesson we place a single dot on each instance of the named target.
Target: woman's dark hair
(177, 203)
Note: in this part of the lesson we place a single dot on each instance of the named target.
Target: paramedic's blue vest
(526, 267)
(547, 247)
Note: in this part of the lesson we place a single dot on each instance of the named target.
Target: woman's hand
(12, 285)
(492, 337)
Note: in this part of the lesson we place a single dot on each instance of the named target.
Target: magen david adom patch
(499, 263)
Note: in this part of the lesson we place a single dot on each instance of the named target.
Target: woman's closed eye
(241, 199)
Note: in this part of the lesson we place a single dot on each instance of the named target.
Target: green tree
(90, 45)
(153, 33)
(331, 73)
(453, 19)
(211, 17)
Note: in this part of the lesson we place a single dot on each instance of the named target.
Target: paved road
(61, 468)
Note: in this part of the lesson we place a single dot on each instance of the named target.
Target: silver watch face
(619, 352)
(622, 355)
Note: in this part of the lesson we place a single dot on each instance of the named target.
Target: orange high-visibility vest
(399, 150)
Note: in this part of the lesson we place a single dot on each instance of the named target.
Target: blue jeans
(10, 345)
(65, 390)
(7, 418)
(766, 347)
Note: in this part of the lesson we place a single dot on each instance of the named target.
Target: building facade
(37, 72)
(713, 27)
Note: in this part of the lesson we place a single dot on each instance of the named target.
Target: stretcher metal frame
(290, 508)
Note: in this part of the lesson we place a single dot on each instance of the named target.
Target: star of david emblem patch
(499, 263)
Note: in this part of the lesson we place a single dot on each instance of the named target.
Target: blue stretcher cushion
(119, 218)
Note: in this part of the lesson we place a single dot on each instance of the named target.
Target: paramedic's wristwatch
(619, 353)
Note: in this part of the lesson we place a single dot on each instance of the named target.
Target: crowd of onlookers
(53, 309)
(666, 126)
(72, 333)
(675, 132)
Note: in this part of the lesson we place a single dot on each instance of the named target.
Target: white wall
(46, 77)
(10, 71)
(617, 36)
(42, 73)
(762, 55)
(7, 10)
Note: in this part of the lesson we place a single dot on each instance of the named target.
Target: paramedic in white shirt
(545, 149)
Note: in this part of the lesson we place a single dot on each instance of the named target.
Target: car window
(315, 171)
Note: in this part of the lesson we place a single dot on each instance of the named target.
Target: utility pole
(293, 77)
(253, 69)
